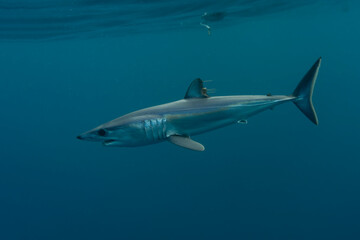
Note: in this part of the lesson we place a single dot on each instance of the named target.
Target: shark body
(195, 114)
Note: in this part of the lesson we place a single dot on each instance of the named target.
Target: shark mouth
(109, 142)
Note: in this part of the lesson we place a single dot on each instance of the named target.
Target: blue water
(68, 66)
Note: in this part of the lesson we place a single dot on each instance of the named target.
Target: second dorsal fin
(196, 90)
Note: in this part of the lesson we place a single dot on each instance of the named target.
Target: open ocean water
(67, 66)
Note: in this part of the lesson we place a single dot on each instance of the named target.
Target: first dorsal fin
(196, 90)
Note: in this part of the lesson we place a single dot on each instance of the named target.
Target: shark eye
(102, 132)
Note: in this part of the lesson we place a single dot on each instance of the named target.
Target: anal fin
(186, 142)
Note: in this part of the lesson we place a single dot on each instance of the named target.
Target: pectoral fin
(186, 142)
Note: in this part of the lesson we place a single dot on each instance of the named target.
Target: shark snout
(94, 135)
(86, 136)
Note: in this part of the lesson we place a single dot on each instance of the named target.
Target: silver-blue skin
(197, 113)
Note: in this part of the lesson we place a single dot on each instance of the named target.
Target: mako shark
(197, 113)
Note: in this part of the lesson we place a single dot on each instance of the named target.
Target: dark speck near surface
(69, 66)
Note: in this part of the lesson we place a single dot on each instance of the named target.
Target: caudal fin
(304, 91)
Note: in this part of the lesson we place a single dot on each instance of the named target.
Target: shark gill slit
(155, 129)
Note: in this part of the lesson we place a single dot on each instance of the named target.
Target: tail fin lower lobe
(304, 91)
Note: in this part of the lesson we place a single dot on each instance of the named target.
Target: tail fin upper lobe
(304, 91)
